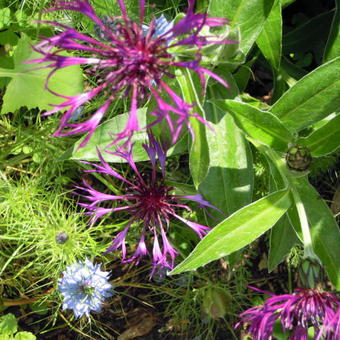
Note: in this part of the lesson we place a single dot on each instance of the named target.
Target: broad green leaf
(324, 229)
(25, 336)
(332, 49)
(324, 140)
(238, 230)
(270, 39)
(312, 98)
(199, 151)
(104, 135)
(308, 37)
(229, 183)
(260, 125)
(282, 239)
(8, 324)
(246, 16)
(26, 87)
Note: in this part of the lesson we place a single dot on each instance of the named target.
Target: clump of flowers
(84, 287)
(297, 312)
(150, 204)
(128, 58)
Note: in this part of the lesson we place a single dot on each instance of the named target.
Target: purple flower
(150, 204)
(128, 60)
(297, 312)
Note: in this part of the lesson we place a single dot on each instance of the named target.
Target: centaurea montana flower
(297, 312)
(84, 287)
(150, 204)
(128, 60)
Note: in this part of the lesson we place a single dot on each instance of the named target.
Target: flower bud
(216, 302)
(61, 238)
(298, 158)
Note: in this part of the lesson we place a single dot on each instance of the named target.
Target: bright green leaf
(24, 336)
(260, 125)
(229, 183)
(199, 151)
(324, 140)
(104, 134)
(270, 39)
(8, 324)
(312, 98)
(5, 17)
(332, 49)
(246, 16)
(26, 87)
(238, 230)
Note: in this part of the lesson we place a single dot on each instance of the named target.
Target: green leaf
(238, 230)
(282, 239)
(5, 17)
(260, 125)
(26, 87)
(308, 37)
(312, 98)
(104, 135)
(24, 336)
(270, 39)
(199, 151)
(332, 49)
(229, 183)
(324, 229)
(246, 16)
(8, 324)
(324, 140)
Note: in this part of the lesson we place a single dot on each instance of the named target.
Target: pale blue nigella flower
(161, 26)
(84, 287)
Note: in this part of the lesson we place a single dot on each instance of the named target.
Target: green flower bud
(216, 302)
(298, 158)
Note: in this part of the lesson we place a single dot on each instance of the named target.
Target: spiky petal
(297, 312)
(127, 59)
(150, 204)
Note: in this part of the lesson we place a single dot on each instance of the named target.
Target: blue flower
(161, 26)
(84, 287)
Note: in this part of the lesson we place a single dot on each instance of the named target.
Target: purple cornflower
(297, 312)
(128, 59)
(150, 204)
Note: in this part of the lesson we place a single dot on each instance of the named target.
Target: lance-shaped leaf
(324, 140)
(238, 230)
(260, 125)
(312, 98)
(246, 16)
(107, 131)
(332, 49)
(324, 229)
(270, 39)
(199, 151)
(229, 182)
